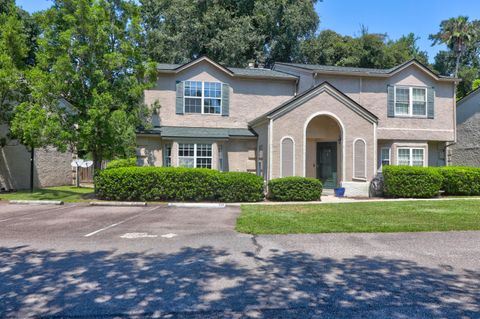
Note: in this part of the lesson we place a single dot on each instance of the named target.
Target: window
(167, 155)
(203, 97)
(195, 155)
(359, 159)
(385, 156)
(411, 156)
(410, 101)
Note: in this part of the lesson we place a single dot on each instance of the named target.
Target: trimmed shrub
(294, 188)
(126, 162)
(459, 180)
(407, 181)
(174, 183)
(240, 187)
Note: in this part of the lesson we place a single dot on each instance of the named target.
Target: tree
(14, 58)
(231, 32)
(475, 84)
(458, 34)
(369, 50)
(89, 54)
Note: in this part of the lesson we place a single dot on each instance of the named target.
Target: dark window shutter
(390, 101)
(225, 99)
(179, 98)
(430, 102)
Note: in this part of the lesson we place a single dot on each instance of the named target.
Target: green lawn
(401, 216)
(63, 193)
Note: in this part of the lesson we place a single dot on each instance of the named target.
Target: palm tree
(457, 34)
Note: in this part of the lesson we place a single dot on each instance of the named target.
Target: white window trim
(194, 154)
(410, 159)
(389, 156)
(281, 154)
(202, 98)
(363, 178)
(410, 101)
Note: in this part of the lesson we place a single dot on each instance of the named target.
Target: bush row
(173, 183)
(195, 184)
(406, 181)
(126, 162)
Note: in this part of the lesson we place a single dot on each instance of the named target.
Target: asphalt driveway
(118, 262)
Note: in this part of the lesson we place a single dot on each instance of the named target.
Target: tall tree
(89, 54)
(231, 32)
(458, 34)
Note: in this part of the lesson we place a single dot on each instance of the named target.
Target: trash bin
(339, 191)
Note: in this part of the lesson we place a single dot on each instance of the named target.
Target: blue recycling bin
(339, 191)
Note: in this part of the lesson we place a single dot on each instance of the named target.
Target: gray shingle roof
(251, 72)
(198, 132)
(320, 67)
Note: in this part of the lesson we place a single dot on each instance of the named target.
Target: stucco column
(174, 157)
(215, 155)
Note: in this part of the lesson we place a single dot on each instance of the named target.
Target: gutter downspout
(270, 151)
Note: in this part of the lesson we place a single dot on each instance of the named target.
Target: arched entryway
(324, 149)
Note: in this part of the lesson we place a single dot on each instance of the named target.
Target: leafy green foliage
(124, 162)
(294, 188)
(369, 50)
(460, 180)
(240, 187)
(230, 32)
(179, 184)
(407, 181)
(90, 54)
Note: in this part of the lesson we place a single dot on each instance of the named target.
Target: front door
(327, 163)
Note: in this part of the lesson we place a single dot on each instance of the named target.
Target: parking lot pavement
(119, 262)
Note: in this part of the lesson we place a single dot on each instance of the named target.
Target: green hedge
(177, 184)
(407, 181)
(458, 180)
(294, 189)
(128, 162)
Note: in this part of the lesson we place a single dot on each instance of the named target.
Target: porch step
(328, 191)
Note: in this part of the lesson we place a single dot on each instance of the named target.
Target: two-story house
(338, 124)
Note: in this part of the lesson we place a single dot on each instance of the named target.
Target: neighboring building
(338, 124)
(466, 151)
(51, 168)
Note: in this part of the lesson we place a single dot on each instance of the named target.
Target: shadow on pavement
(205, 282)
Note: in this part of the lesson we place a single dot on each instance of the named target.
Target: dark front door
(327, 163)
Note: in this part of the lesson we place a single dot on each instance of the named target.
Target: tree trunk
(32, 166)
(97, 162)
(457, 64)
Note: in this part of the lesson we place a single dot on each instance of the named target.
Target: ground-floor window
(411, 156)
(220, 158)
(167, 155)
(195, 155)
(385, 156)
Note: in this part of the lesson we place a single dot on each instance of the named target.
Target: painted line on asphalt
(35, 213)
(119, 223)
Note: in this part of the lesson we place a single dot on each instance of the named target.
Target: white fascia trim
(343, 138)
(366, 171)
(281, 154)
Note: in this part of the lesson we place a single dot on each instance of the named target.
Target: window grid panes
(385, 156)
(195, 155)
(419, 102)
(402, 101)
(203, 97)
(411, 156)
(410, 101)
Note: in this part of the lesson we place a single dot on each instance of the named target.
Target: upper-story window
(203, 97)
(410, 101)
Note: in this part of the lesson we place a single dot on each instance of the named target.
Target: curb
(197, 205)
(129, 204)
(37, 202)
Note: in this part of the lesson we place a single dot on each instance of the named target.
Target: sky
(395, 18)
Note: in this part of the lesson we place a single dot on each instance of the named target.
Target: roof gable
(324, 87)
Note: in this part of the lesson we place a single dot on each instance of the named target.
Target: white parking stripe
(119, 223)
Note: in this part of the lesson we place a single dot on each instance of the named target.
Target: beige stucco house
(338, 124)
(466, 151)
